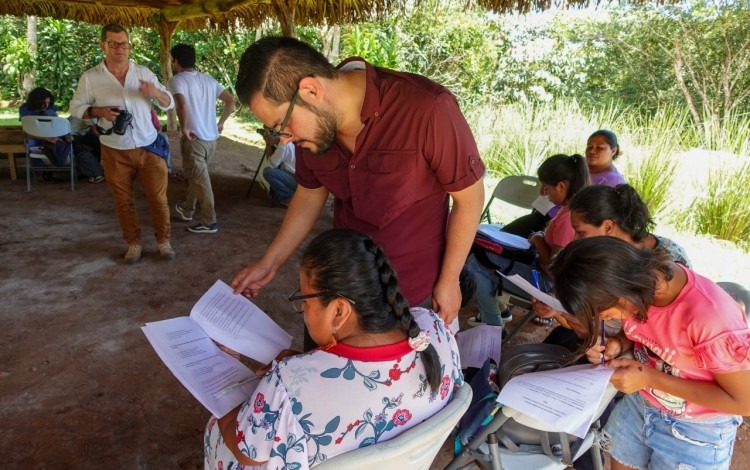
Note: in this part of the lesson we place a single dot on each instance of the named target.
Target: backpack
(518, 360)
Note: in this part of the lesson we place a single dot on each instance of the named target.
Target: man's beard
(325, 135)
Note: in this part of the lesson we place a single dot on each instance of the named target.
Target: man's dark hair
(274, 66)
(184, 54)
(113, 28)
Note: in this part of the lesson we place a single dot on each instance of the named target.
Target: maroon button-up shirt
(414, 149)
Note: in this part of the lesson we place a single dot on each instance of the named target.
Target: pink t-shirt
(560, 232)
(702, 332)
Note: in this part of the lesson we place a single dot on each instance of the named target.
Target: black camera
(123, 121)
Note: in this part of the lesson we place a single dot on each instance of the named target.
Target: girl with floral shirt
(381, 368)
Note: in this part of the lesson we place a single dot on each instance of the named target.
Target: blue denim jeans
(641, 436)
(487, 282)
(282, 184)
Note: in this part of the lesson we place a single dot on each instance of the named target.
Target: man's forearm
(461, 229)
(301, 215)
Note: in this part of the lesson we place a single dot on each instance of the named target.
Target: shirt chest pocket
(386, 187)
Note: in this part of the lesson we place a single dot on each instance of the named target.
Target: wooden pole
(166, 30)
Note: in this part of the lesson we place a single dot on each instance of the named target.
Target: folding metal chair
(519, 190)
(46, 127)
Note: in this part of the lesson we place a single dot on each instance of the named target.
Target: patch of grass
(9, 117)
(721, 209)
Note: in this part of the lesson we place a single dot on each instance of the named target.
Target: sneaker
(96, 179)
(474, 321)
(200, 228)
(507, 314)
(183, 213)
(134, 254)
(166, 252)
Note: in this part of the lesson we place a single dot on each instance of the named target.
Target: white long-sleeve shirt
(283, 157)
(98, 87)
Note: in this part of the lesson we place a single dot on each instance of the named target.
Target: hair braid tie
(420, 342)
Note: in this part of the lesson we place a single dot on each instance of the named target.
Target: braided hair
(348, 262)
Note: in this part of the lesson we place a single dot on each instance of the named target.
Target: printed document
(526, 286)
(567, 399)
(476, 344)
(216, 379)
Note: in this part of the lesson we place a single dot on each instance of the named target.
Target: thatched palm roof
(196, 14)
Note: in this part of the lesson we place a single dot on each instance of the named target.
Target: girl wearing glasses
(687, 381)
(381, 367)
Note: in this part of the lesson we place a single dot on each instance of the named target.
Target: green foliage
(62, 61)
(653, 174)
(722, 209)
(372, 44)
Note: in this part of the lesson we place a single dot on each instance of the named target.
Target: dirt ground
(80, 387)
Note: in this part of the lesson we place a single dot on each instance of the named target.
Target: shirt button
(352, 166)
(377, 114)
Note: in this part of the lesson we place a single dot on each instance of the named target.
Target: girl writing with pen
(690, 342)
(611, 212)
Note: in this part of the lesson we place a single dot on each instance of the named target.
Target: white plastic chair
(46, 126)
(519, 190)
(414, 449)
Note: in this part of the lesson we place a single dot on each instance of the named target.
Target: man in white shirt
(195, 95)
(280, 173)
(107, 94)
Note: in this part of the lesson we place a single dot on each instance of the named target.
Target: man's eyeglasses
(280, 133)
(298, 299)
(118, 45)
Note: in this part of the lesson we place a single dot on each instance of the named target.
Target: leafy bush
(721, 209)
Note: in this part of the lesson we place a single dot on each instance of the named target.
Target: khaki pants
(196, 155)
(121, 167)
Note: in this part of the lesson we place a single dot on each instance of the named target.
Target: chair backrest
(738, 293)
(519, 190)
(414, 449)
(45, 126)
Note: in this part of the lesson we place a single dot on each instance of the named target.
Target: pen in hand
(233, 386)
(535, 277)
(604, 339)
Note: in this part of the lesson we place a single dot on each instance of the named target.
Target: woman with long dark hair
(687, 381)
(380, 368)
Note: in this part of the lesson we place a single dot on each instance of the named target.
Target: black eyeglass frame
(118, 45)
(280, 133)
(295, 296)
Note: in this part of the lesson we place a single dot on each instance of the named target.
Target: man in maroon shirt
(390, 146)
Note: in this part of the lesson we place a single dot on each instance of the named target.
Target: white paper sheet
(199, 364)
(526, 286)
(566, 398)
(542, 204)
(236, 322)
(494, 233)
(476, 344)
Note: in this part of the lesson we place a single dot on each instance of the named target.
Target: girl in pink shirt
(687, 381)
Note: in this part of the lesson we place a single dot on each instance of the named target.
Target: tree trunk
(166, 30)
(28, 80)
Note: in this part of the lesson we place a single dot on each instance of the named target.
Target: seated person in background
(41, 102)
(613, 212)
(686, 385)
(280, 172)
(602, 150)
(381, 368)
(562, 176)
(87, 149)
